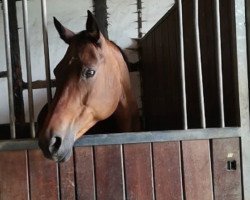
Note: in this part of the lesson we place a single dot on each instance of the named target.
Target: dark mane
(132, 67)
(123, 54)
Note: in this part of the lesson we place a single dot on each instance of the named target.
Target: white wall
(122, 27)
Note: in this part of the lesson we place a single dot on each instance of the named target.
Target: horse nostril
(55, 144)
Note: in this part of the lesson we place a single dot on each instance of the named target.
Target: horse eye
(88, 73)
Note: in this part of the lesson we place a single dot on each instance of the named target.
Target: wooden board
(109, 172)
(167, 171)
(138, 171)
(227, 184)
(13, 175)
(67, 180)
(197, 170)
(43, 176)
(85, 175)
(161, 77)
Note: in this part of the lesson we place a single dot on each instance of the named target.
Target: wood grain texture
(197, 170)
(67, 180)
(138, 171)
(109, 172)
(227, 184)
(167, 171)
(161, 76)
(43, 176)
(13, 175)
(85, 175)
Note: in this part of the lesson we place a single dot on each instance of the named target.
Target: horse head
(92, 84)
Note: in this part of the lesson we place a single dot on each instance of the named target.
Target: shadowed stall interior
(160, 68)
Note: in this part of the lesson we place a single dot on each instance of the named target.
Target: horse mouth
(62, 155)
(62, 158)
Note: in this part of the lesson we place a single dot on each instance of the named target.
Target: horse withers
(93, 84)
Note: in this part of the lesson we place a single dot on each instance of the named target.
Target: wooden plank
(43, 176)
(139, 172)
(197, 170)
(167, 171)
(13, 175)
(85, 176)
(109, 172)
(173, 74)
(67, 180)
(227, 183)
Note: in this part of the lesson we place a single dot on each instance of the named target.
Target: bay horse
(93, 84)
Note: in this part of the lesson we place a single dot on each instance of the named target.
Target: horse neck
(126, 113)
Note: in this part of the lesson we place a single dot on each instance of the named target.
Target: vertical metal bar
(198, 57)
(219, 63)
(183, 79)
(152, 171)
(243, 80)
(28, 66)
(9, 69)
(123, 172)
(46, 49)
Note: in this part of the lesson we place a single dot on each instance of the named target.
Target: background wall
(72, 14)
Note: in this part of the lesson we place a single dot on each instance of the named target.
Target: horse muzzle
(57, 148)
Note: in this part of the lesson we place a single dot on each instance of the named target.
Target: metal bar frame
(9, 69)
(241, 42)
(28, 64)
(133, 138)
(219, 63)
(182, 59)
(199, 65)
(46, 50)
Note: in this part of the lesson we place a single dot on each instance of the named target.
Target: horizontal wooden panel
(167, 170)
(43, 176)
(67, 180)
(197, 170)
(139, 172)
(227, 183)
(109, 172)
(85, 175)
(13, 175)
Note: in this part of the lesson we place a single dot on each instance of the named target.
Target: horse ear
(92, 27)
(64, 33)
